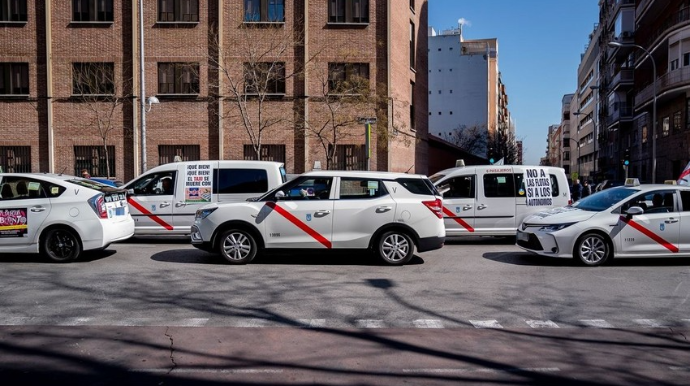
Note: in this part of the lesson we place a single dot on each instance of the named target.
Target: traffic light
(491, 156)
(626, 157)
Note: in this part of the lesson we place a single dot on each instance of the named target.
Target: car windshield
(605, 199)
(436, 177)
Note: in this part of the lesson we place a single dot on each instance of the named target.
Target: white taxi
(60, 216)
(390, 213)
(626, 221)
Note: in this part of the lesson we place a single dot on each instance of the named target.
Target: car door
(495, 204)
(685, 221)
(303, 218)
(361, 207)
(459, 204)
(657, 231)
(150, 205)
(22, 215)
(193, 190)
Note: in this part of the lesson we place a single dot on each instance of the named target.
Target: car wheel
(61, 245)
(237, 246)
(592, 249)
(395, 247)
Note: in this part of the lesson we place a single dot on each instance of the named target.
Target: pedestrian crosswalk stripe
(599, 323)
(369, 323)
(486, 324)
(428, 323)
(541, 324)
(313, 323)
(653, 323)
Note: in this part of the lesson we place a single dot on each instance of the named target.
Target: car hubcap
(237, 246)
(61, 245)
(593, 249)
(395, 247)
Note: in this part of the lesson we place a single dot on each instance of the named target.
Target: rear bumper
(430, 243)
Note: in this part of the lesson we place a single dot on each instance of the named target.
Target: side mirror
(634, 211)
(130, 192)
(280, 194)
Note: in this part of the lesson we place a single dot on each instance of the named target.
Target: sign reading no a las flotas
(538, 187)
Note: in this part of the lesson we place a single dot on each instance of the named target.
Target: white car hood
(566, 214)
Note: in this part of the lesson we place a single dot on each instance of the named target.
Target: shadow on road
(526, 258)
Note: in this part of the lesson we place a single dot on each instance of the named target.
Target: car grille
(533, 243)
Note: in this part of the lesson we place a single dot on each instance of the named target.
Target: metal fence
(15, 159)
(173, 153)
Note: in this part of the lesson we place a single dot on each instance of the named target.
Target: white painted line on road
(598, 323)
(486, 324)
(370, 323)
(685, 320)
(191, 322)
(214, 371)
(73, 322)
(428, 323)
(251, 323)
(541, 324)
(313, 323)
(679, 368)
(651, 323)
(484, 370)
(16, 321)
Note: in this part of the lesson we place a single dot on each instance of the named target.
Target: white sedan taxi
(627, 221)
(60, 216)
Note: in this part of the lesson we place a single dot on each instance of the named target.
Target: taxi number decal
(311, 232)
(650, 234)
(145, 212)
(458, 220)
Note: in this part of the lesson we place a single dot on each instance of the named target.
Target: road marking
(598, 323)
(251, 323)
(214, 371)
(651, 323)
(484, 370)
(313, 323)
(679, 368)
(73, 322)
(370, 323)
(428, 323)
(486, 324)
(541, 324)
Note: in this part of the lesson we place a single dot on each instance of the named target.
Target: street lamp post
(367, 138)
(649, 55)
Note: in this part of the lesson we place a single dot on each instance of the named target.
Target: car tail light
(570, 202)
(98, 205)
(435, 206)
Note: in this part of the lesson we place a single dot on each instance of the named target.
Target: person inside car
(167, 186)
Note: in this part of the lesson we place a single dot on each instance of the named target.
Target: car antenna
(63, 171)
(408, 170)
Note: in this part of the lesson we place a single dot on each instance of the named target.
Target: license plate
(522, 236)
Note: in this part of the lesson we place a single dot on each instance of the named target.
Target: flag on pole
(684, 178)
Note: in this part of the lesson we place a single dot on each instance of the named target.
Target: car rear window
(418, 186)
(91, 184)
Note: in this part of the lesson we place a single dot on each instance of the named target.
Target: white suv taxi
(60, 216)
(626, 221)
(390, 213)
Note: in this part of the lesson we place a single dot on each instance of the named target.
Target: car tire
(61, 245)
(592, 249)
(237, 246)
(395, 247)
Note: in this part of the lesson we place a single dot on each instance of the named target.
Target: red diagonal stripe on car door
(153, 217)
(458, 220)
(301, 225)
(650, 234)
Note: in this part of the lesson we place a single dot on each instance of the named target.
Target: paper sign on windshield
(198, 183)
(538, 186)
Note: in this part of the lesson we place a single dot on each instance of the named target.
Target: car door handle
(467, 207)
(671, 221)
(164, 204)
(383, 209)
(179, 204)
(322, 213)
(481, 206)
(38, 209)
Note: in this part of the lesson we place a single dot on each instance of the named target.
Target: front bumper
(553, 244)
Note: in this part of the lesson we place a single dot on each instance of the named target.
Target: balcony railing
(675, 20)
(641, 6)
(670, 80)
(623, 77)
(619, 112)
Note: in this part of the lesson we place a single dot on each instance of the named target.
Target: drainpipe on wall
(221, 64)
(135, 78)
(49, 90)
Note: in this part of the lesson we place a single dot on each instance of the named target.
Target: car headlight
(203, 213)
(555, 227)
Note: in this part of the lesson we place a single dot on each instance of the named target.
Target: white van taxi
(625, 221)
(492, 200)
(163, 200)
(60, 216)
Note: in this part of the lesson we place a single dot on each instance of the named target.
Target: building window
(413, 46)
(674, 64)
(677, 116)
(14, 78)
(349, 157)
(178, 10)
(268, 153)
(93, 159)
(178, 153)
(267, 11)
(12, 10)
(348, 78)
(15, 159)
(178, 78)
(92, 10)
(264, 78)
(644, 134)
(93, 78)
(686, 59)
(412, 5)
(665, 127)
(687, 114)
(412, 106)
(348, 11)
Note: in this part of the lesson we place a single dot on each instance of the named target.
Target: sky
(539, 47)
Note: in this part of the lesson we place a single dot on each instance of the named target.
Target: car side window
(155, 184)
(460, 187)
(22, 188)
(360, 188)
(228, 181)
(658, 201)
(309, 188)
(685, 200)
(499, 185)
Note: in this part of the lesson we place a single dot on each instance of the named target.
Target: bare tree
(502, 144)
(103, 96)
(472, 139)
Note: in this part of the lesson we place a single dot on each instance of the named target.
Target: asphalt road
(477, 311)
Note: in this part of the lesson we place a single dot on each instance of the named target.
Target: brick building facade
(194, 52)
